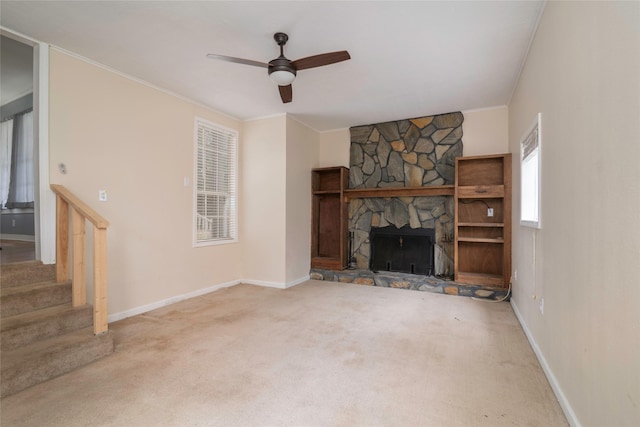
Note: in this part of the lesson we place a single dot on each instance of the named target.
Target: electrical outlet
(541, 305)
(102, 195)
(490, 212)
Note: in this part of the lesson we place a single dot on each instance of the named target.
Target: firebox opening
(402, 250)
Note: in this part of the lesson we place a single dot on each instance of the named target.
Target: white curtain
(21, 189)
(6, 139)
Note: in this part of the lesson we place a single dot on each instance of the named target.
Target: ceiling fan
(282, 70)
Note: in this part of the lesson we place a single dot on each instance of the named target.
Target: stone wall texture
(405, 153)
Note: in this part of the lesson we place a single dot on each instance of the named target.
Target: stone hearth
(408, 281)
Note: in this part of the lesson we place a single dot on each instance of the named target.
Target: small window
(215, 195)
(530, 176)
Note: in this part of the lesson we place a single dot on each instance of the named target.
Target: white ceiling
(409, 59)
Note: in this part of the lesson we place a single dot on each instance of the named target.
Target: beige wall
(278, 155)
(333, 148)
(485, 132)
(136, 143)
(302, 156)
(582, 75)
(264, 182)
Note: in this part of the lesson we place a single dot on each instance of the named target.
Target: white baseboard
(278, 285)
(557, 390)
(264, 283)
(158, 304)
(297, 281)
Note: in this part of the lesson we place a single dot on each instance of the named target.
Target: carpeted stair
(41, 335)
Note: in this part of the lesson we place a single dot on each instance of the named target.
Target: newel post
(100, 323)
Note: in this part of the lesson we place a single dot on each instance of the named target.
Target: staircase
(42, 335)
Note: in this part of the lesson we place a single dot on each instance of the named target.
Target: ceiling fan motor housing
(281, 64)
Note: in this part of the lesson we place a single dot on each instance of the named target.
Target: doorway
(18, 152)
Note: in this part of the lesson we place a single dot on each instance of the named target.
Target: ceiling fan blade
(286, 93)
(320, 60)
(238, 60)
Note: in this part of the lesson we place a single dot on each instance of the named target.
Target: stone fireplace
(406, 153)
(396, 158)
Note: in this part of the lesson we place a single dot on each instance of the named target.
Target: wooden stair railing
(80, 212)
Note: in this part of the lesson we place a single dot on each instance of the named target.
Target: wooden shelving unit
(329, 218)
(482, 251)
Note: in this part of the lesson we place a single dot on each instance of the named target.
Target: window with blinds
(215, 194)
(530, 176)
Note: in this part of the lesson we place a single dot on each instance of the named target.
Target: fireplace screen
(403, 250)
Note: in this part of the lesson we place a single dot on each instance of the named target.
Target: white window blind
(215, 184)
(530, 176)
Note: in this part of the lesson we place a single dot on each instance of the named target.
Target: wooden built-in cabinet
(482, 252)
(329, 218)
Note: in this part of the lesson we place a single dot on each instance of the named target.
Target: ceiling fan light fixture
(282, 77)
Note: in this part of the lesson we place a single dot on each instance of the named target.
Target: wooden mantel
(429, 190)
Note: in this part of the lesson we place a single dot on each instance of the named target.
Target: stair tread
(12, 290)
(45, 348)
(27, 272)
(21, 265)
(43, 360)
(19, 320)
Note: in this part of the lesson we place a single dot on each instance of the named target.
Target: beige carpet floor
(318, 354)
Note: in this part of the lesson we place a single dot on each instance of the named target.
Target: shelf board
(427, 190)
(473, 278)
(480, 192)
(481, 224)
(320, 192)
(480, 240)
